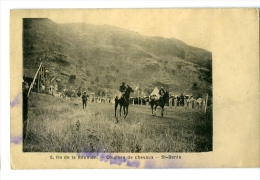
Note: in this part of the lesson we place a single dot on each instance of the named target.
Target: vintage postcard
(134, 88)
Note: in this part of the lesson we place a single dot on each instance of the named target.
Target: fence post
(206, 103)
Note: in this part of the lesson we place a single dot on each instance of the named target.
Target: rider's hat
(123, 83)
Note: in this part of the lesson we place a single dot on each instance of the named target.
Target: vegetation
(56, 125)
(72, 78)
(97, 58)
(103, 56)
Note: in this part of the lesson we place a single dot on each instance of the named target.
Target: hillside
(102, 56)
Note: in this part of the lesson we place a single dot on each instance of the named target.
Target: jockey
(122, 89)
(161, 93)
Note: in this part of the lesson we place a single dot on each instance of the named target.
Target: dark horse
(159, 102)
(124, 101)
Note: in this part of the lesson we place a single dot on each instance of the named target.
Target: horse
(159, 102)
(124, 101)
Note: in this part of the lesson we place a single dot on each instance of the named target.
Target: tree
(194, 85)
(72, 78)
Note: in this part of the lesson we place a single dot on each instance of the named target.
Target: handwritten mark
(17, 100)
(16, 139)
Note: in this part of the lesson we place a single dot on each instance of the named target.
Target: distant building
(28, 75)
(41, 82)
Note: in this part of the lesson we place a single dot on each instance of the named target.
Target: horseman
(161, 94)
(122, 89)
(163, 99)
(125, 91)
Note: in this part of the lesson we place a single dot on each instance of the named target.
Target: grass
(56, 125)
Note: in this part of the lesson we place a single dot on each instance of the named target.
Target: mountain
(100, 57)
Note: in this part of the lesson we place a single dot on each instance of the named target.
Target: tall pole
(33, 80)
(39, 78)
(206, 103)
(38, 84)
(138, 96)
(138, 92)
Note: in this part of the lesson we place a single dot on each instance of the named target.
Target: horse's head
(129, 89)
(166, 96)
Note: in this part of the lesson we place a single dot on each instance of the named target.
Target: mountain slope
(102, 56)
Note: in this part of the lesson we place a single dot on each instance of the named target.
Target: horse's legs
(162, 111)
(152, 108)
(126, 110)
(155, 109)
(120, 109)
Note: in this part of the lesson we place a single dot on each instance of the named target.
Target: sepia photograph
(133, 88)
(103, 88)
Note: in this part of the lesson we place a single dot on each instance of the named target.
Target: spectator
(84, 100)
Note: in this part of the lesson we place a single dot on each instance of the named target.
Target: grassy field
(56, 125)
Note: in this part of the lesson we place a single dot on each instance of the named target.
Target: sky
(192, 26)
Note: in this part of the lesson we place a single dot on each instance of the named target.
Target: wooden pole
(206, 103)
(138, 97)
(38, 83)
(33, 80)
(42, 77)
(39, 78)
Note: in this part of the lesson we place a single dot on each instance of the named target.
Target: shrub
(72, 78)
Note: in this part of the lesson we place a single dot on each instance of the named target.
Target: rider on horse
(123, 98)
(122, 89)
(161, 93)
